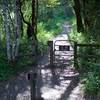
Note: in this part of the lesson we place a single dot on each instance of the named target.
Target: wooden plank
(60, 51)
(89, 45)
(63, 55)
(62, 45)
(93, 56)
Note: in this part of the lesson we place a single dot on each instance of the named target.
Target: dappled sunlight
(55, 92)
(77, 93)
(57, 83)
(54, 82)
(50, 93)
(24, 95)
(16, 88)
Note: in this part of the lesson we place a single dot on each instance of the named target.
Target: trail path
(52, 84)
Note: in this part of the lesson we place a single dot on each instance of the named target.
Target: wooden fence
(76, 55)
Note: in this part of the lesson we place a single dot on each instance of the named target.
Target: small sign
(64, 48)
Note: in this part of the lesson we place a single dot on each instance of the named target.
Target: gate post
(75, 55)
(32, 78)
(50, 44)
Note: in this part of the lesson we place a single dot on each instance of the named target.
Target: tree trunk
(34, 25)
(85, 19)
(17, 32)
(77, 8)
(7, 28)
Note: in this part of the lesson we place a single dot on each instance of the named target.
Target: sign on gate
(64, 48)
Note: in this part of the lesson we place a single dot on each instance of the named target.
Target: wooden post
(50, 44)
(32, 78)
(75, 55)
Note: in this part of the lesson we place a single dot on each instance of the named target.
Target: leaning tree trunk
(7, 28)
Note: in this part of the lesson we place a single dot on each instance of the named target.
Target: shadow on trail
(72, 85)
(54, 85)
(15, 89)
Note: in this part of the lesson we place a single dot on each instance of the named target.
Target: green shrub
(43, 36)
(46, 31)
(7, 70)
(92, 85)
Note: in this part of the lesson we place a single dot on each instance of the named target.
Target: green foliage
(91, 67)
(88, 65)
(52, 3)
(89, 60)
(74, 35)
(46, 31)
(92, 85)
(43, 36)
(7, 70)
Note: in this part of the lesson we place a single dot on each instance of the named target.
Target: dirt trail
(52, 84)
(61, 83)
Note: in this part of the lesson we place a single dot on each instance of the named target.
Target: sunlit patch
(52, 90)
(77, 93)
(61, 78)
(46, 75)
(44, 72)
(50, 93)
(65, 82)
(25, 95)
(55, 92)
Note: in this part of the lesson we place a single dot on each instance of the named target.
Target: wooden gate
(64, 52)
(61, 52)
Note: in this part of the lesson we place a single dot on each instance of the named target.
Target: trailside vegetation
(86, 30)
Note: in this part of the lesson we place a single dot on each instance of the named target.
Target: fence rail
(88, 45)
(76, 55)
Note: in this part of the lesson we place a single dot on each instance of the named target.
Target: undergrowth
(89, 67)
